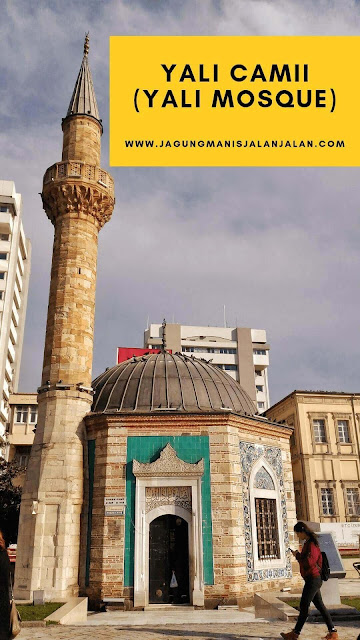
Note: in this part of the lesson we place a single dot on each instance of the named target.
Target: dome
(168, 382)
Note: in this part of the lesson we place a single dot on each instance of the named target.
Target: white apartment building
(242, 352)
(15, 259)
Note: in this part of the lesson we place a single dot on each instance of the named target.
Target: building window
(207, 350)
(3, 256)
(4, 237)
(261, 405)
(4, 209)
(33, 413)
(230, 367)
(327, 502)
(267, 529)
(343, 430)
(22, 413)
(2, 275)
(22, 455)
(259, 387)
(258, 372)
(319, 431)
(353, 501)
(1, 295)
(260, 352)
(233, 351)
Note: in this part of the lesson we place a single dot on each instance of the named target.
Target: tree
(10, 498)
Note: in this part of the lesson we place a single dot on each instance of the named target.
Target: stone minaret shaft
(78, 197)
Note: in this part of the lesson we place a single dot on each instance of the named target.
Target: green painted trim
(91, 467)
(147, 449)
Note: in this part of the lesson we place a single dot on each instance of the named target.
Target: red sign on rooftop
(125, 353)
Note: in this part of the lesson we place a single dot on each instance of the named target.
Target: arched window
(265, 516)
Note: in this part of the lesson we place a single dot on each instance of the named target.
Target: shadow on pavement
(183, 633)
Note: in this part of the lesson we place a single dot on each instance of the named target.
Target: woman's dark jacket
(4, 595)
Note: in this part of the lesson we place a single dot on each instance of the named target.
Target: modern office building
(243, 353)
(15, 259)
(324, 452)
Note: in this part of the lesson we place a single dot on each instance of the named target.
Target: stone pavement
(244, 631)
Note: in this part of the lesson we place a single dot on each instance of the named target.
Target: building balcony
(13, 333)
(261, 361)
(20, 263)
(6, 222)
(22, 244)
(11, 352)
(9, 369)
(15, 315)
(81, 170)
(17, 297)
(4, 246)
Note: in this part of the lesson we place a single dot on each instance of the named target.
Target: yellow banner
(234, 101)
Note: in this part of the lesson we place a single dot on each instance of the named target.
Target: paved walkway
(244, 631)
(180, 616)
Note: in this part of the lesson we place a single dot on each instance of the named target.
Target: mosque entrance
(169, 560)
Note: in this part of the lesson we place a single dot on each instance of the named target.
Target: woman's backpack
(325, 569)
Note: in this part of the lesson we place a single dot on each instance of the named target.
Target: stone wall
(108, 535)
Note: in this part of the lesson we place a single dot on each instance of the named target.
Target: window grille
(267, 529)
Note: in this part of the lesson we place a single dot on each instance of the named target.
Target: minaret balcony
(82, 171)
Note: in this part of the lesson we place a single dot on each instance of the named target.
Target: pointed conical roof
(83, 100)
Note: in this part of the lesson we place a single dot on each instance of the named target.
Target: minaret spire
(83, 99)
(86, 44)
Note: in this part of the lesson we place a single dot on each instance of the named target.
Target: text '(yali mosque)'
(157, 482)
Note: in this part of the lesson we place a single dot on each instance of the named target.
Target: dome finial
(163, 346)
(86, 44)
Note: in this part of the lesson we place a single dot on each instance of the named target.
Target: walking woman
(310, 561)
(4, 589)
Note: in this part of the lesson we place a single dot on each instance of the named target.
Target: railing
(81, 170)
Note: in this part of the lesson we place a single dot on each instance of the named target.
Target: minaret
(78, 197)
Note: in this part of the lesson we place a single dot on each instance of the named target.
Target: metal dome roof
(168, 382)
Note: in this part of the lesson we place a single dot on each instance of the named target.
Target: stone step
(169, 607)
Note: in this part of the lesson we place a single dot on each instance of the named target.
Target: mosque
(156, 483)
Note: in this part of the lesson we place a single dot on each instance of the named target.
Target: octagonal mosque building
(189, 494)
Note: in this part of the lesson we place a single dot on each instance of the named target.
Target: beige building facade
(324, 453)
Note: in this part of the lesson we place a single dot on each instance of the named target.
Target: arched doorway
(168, 553)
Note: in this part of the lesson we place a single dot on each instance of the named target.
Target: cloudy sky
(279, 247)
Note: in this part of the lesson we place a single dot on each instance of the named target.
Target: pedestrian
(4, 588)
(310, 561)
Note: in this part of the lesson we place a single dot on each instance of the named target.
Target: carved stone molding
(168, 464)
(161, 496)
(82, 199)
